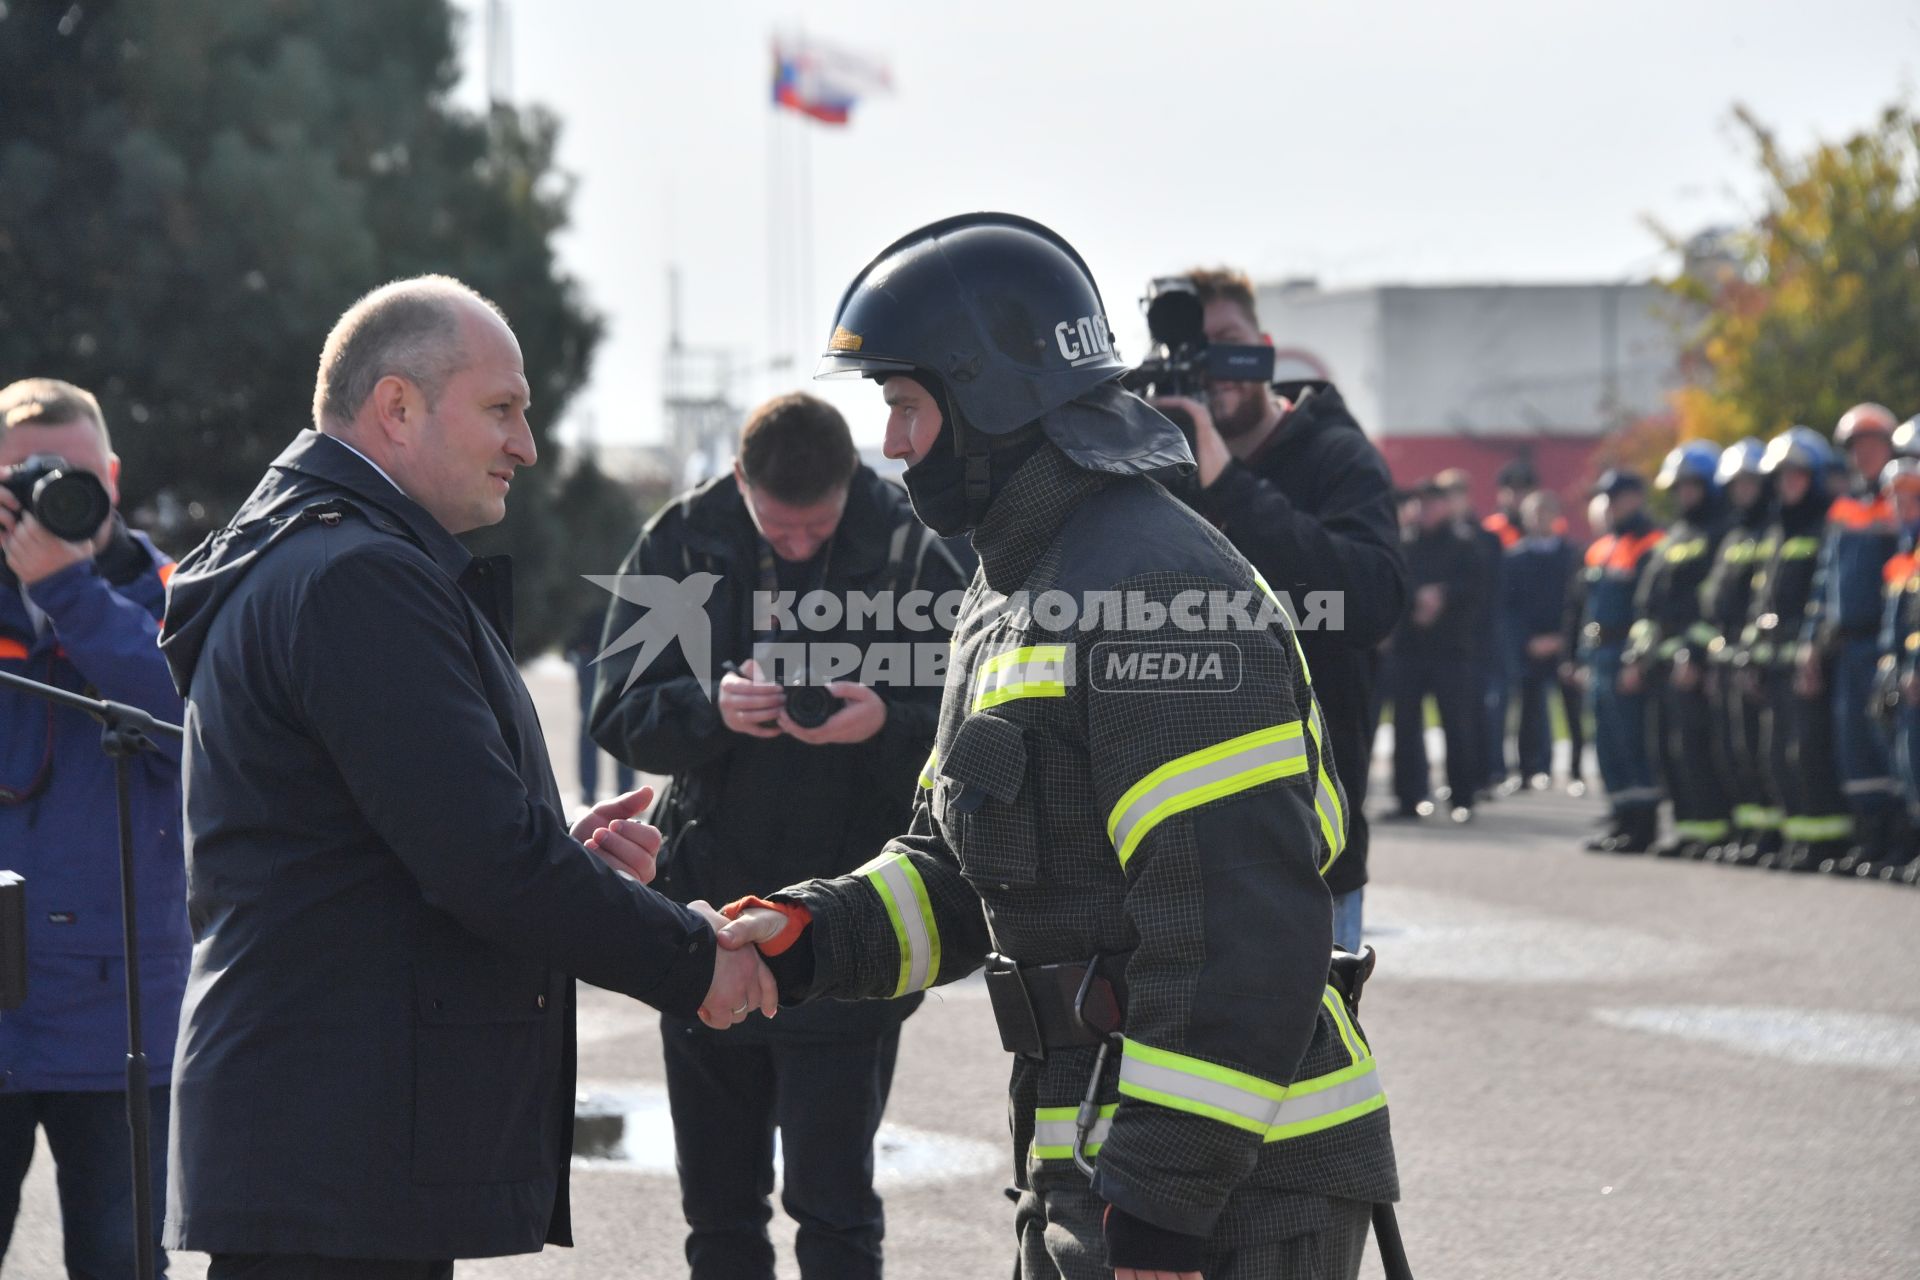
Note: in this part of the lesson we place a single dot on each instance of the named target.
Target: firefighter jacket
(1900, 610)
(1783, 584)
(1726, 597)
(1157, 794)
(1667, 617)
(1615, 562)
(1846, 598)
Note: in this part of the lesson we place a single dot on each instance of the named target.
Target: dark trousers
(1456, 685)
(1573, 701)
(1740, 753)
(93, 1168)
(1620, 736)
(1799, 734)
(1501, 672)
(589, 749)
(287, 1266)
(1866, 770)
(1686, 730)
(1539, 678)
(826, 1098)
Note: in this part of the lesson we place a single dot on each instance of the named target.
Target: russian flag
(822, 81)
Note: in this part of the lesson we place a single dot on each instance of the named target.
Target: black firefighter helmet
(1003, 317)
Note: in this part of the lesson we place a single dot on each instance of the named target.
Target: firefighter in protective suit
(1135, 859)
(1725, 600)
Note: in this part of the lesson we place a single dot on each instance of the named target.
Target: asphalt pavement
(1598, 1066)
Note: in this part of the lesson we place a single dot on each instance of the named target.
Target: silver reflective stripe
(1241, 1107)
(1299, 1112)
(906, 907)
(1141, 809)
(1036, 671)
(1053, 1139)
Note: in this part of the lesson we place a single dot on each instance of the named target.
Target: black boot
(1640, 827)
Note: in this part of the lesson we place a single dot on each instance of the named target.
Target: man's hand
(752, 927)
(629, 847)
(864, 715)
(741, 979)
(29, 550)
(1631, 680)
(1686, 673)
(1808, 679)
(1547, 645)
(749, 703)
(1910, 689)
(1428, 602)
(1128, 1273)
(1209, 450)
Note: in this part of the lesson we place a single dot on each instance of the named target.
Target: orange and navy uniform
(1614, 565)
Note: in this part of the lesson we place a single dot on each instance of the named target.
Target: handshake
(741, 980)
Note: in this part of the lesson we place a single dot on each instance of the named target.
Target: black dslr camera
(71, 503)
(810, 705)
(1182, 361)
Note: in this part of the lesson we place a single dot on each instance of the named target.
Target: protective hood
(1111, 430)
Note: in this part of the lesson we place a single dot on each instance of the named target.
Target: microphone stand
(125, 732)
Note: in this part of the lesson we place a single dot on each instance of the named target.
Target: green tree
(192, 190)
(1816, 307)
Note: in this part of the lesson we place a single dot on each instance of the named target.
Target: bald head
(410, 329)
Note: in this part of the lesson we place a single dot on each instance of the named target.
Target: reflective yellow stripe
(1035, 671)
(1202, 776)
(1326, 802)
(930, 769)
(1326, 1101)
(1198, 1087)
(1054, 1130)
(904, 894)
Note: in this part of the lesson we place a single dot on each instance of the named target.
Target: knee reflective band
(1275, 1112)
(1037, 671)
(904, 894)
(930, 769)
(1829, 827)
(1201, 776)
(1756, 817)
(1326, 797)
(1053, 1131)
(1704, 829)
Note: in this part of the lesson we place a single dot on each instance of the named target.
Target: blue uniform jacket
(1847, 592)
(59, 831)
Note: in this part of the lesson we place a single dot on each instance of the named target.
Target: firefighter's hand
(1428, 602)
(1128, 1273)
(1630, 680)
(752, 927)
(627, 846)
(1910, 689)
(1686, 673)
(1808, 680)
(750, 704)
(1542, 647)
(1210, 454)
(741, 980)
(864, 714)
(29, 550)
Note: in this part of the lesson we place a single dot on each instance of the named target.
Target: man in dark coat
(1293, 482)
(376, 1061)
(760, 799)
(1433, 656)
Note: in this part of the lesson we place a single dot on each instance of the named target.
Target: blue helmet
(1741, 458)
(1694, 460)
(1801, 447)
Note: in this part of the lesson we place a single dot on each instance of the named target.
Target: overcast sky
(1386, 142)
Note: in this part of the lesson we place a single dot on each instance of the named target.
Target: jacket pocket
(987, 804)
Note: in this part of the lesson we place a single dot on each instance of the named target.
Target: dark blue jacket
(1847, 598)
(58, 826)
(377, 1048)
(1533, 585)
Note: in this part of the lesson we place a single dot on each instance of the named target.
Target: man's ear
(113, 477)
(739, 477)
(1267, 338)
(395, 408)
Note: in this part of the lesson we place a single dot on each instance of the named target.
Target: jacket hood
(315, 476)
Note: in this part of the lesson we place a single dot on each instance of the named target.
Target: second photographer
(774, 782)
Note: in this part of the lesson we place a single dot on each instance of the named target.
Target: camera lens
(71, 504)
(810, 705)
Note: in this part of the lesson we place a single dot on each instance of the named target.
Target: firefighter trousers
(1261, 1235)
(1799, 737)
(1686, 734)
(1866, 773)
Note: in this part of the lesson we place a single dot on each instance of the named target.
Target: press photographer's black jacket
(1313, 511)
(377, 1046)
(751, 815)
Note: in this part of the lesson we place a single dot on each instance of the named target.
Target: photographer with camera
(80, 599)
(778, 778)
(1289, 477)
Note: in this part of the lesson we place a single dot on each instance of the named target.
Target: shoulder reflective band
(1036, 671)
(1203, 776)
(1800, 548)
(1326, 801)
(1054, 1131)
(930, 769)
(904, 894)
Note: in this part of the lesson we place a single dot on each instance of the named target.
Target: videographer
(1293, 482)
(79, 608)
(768, 791)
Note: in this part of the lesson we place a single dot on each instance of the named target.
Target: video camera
(1182, 362)
(71, 503)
